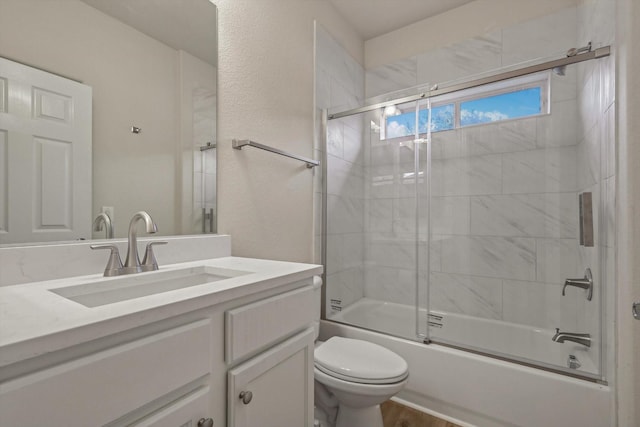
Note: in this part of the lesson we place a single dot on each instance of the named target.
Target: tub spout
(584, 339)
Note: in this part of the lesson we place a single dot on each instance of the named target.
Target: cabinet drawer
(99, 388)
(185, 412)
(255, 326)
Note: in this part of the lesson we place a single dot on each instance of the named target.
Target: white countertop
(35, 321)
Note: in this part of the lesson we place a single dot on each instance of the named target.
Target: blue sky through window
(442, 118)
(505, 106)
(509, 105)
(401, 125)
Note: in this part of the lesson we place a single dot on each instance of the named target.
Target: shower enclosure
(473, 214)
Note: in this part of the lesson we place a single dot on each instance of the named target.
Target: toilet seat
(360, 362)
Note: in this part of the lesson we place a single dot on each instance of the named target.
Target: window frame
(540, 80)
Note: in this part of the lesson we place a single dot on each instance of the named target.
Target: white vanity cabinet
(275, 387)
(162, 376)
(178, 369)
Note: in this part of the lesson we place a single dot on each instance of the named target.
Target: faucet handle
(149, 262)
(585, 283)
(114, 265)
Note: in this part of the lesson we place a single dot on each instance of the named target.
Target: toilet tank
(317, 291)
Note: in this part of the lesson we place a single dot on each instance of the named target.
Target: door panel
(45, 155)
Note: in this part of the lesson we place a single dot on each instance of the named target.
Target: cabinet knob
(246, 397)
(205, 422)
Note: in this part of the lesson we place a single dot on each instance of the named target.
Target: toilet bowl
(353, 377)
(360, 376)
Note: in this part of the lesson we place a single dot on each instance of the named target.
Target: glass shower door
(507, 228)
(374, 246)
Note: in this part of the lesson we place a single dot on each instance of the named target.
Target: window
(511, 105)
(516, 98)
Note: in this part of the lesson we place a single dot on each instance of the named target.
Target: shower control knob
(246, 397)
(205, 422)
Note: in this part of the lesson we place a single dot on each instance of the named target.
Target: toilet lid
(360, 361)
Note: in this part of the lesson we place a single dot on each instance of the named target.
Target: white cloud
(475, 116)
(395, 130)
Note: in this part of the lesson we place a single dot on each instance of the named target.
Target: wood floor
(396, 415)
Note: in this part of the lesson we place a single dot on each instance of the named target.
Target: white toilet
(352, 378)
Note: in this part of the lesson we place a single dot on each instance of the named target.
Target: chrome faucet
(103, 221)
(584, 339)
(132, 262)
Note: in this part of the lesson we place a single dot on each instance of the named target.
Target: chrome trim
(549, 65)
(103, 220)
(585, 282)
(239, 143)
(324, 220)
(207, 216)
(209, 146)
(132, 261)
(377, 106)
(573, 362)
(584, 339)
(585, 209)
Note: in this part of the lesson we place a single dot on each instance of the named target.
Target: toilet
(352, 378)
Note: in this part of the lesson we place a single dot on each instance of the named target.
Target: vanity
(222, 341)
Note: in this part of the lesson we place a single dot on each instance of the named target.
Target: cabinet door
(185, 412)
(280, 381)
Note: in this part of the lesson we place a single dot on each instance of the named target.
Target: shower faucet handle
(585, 283)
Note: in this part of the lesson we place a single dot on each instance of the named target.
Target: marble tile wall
(504, 210)
(505, 217)
(340, 86)
(504, 196)
(551, 35)
(596, 99)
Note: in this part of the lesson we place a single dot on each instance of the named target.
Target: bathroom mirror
(151, 69)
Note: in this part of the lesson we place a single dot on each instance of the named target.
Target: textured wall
(265, 85)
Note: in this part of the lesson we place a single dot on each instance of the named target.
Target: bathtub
(476, 390)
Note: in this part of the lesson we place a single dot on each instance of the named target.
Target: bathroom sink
(122, 288)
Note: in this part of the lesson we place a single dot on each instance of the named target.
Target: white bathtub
(519, 342)
(478, 390)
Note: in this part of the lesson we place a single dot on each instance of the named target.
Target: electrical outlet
(109, 210)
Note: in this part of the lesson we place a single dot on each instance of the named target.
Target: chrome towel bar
(238, 144)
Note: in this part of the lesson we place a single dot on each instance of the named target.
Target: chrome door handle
(635, 309)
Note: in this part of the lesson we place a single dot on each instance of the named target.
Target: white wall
(628, 199)
(265, 93)
(131, 172)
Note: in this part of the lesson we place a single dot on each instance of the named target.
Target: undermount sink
(128, 287)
